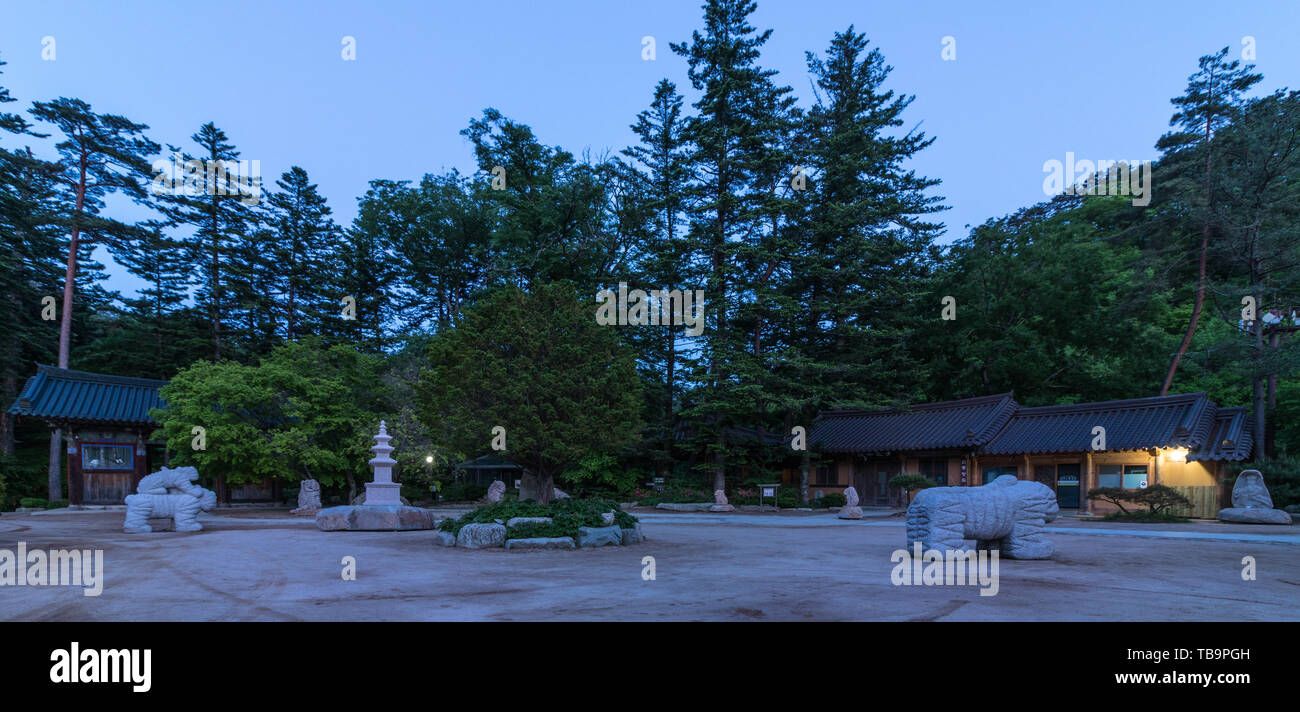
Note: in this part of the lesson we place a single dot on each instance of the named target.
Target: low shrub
(832, 499)
(463, 492)
(1147, 516)
(672, 493)
(33, 502)
(56, 504)
(566, 516)
(1158, 500)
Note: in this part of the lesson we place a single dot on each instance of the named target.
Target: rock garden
(562, 524)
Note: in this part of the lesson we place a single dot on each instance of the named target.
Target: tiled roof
(1230, 438)
(1136, 424)
(59, 394)
(950, 424)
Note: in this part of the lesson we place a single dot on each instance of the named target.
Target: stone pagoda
(383, 509)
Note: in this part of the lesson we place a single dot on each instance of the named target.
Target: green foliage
(1157, 499)
(1117, 496)
(463, 492)
(1281, 476)
(566, 516)
(1146, 516)
(910, 481)
(540, 366)
(831, 499)
(672, 493)
(56, 504)
(601, 471)
(37, 502)
(305, 411)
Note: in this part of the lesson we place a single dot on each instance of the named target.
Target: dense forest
(456, 301)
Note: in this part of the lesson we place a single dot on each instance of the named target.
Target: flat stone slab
(481, 536)
(516, 521)
(374, 518)
(722, 508)
(1242, 515)
(600, 536)
(847, 512)
(685, 506)
(544, 542)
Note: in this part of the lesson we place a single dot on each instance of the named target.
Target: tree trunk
(56, 470)
(805, 462)
(1200, 280)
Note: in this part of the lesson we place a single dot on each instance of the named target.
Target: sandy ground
(743, 567)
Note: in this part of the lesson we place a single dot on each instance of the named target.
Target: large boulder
(481, 536)
(445, 539)
(633, 535)
(373, 518)
(600, 536)
(554, 542)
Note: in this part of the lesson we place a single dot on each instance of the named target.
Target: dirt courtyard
(813, 568)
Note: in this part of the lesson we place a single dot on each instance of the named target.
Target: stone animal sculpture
(496, 491)
(168, 493)
(308, 498)
(1006, 514)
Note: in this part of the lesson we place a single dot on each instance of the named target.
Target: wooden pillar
(76, 478)
(973, 471)
(1085, 504)
(1029, 469)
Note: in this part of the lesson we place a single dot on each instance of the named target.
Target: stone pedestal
(383, 510)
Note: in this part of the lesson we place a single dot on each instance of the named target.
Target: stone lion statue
(168, 493)
(1007, 514)
(308, 498)
(496, 491)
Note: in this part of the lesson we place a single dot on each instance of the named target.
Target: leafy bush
(566, 516)
(832, 499)
(1281, 476)
(676, 494)
(600, 472)
(33, 502)
(463, 492)
(56, 504)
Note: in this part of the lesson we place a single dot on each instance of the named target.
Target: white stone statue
(850, 510)
(496, 491)
(168, 493)
(720, 502)
(1008, 514)
(308, 498)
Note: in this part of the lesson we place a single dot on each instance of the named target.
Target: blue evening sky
(1031, 80)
